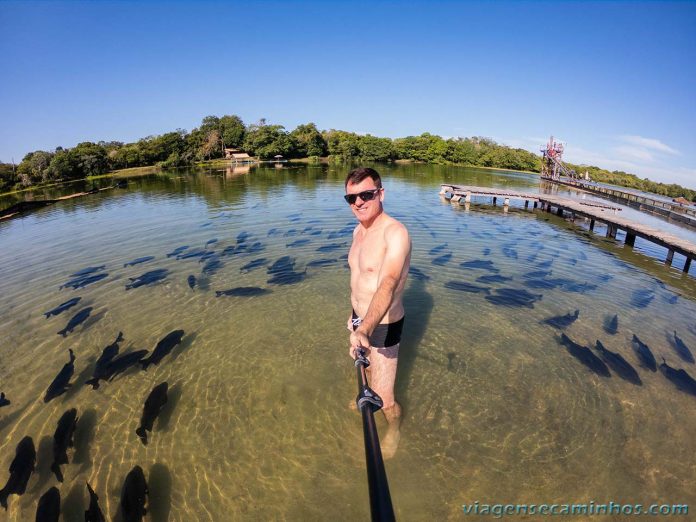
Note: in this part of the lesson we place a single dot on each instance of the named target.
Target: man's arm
(398, 249)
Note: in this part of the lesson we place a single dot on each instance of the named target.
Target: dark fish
(255, 248)
(62, 440)
(466, 287)
(331, 247)
(21, 469)
(3, 400)
(536, 274)
(486, 251)
(192, 281)
(48, 508)
(442, 260)
(273, 232)
(642, 298)
(122, 363)
(62, 307)
(647, 359)
(480, 264)
(494, 278)
(611, 324)
(147, 278)
(672, 299)
(139, 260)
(287, 278)
(546, 284)
(163, 347)
(679, 378)
(62, 381)
(210, 254)
(580, 288)
(231, 250)
(513, 297)
(298, 242)
(291, 232)
(243, 236)
(242, 291)
(212, 266)
(176, 252)
(510, 252)
(438, 249)
(101, 370)
(133, 496)
(284, 264)
(315, 232)
(450, 360)
(153, 406)
(417, 273)
(81, 282)
(682, 350)
(545, 264)
(196, 252)
(620, 365)
(211, 242)
(321, 262)
(94, 512)
(88, 270)
(585, 356)
(256, 263)
(562, 321)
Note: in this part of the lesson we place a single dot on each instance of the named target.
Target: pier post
(506, 205)
(455, 198)
(611, 231)
(526, 204)
(467, 197)
(495, 200)
(559, 211)
(535, 204)
(591, 225)
(630, 239)
(687, 265)
(670, 256)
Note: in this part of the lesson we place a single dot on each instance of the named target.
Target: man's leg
(382, 376)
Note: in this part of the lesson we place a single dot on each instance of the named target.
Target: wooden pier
(595, 212)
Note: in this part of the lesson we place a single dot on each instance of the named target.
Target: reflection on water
(256, 428)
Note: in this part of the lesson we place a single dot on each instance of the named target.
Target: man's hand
(358, 339)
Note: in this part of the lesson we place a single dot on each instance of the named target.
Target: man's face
(366, 211)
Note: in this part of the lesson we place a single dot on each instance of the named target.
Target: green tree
(267, 141)
(232, 130)
(308, 141)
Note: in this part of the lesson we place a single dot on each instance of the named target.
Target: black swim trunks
(385, 335)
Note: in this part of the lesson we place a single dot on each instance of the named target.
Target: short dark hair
(355, 176)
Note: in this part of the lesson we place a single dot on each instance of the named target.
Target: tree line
(208, 141)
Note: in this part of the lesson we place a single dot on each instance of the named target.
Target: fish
(256, 263)
(417, 273)
(510, 252)
(134, 495)
(164, 346)
(450, 361)
(480, 264)
(242, 237)
(3, 400)
(545, 264)
(61, 382)
(442, 260)
(138, 261)
(212, 266)
(321, 262)
(546, 284)
(466, 287)
(88, 270)
(122, 363)
(291, 232)
(255, 248)
(101, 370)
(513, 297)
(580, 288)
(585, 356)
(196, 252)
(642, 298)
(298, 242)
(486, 251)
(83, 281)
(48, 508)
(284, 264)
(62, 440)
(437, 249)
(332, 246)
(63, 307)
(620, 365)
(148, 278)
(536, 274)
(152, 408)
(287, 278)
(21, 468)
(211, 242)
(94, 512)
(493, 278)
(242, 291)
(562, 321)
(272, 232)
(210, 254)
(231, 250)
(647, 359)
(680, 378)
(611, 324)
(192, 281)
(682, 350)
(177, 251)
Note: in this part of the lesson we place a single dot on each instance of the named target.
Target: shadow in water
(173, 398)
(79, 381)
(73, 506)
(44, 459)
(8, 420)
(185, 344)
(418, 305)
(84, 435)
(160, 496)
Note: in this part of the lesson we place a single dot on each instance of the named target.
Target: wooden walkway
(590, 210)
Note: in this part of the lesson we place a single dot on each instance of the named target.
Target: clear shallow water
(257, 426)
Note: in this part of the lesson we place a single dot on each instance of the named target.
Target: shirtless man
(379, 259)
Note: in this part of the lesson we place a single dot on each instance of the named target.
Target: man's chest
(367, 254)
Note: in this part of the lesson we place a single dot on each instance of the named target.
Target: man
(379, 259)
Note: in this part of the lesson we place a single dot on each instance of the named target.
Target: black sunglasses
(365, 195)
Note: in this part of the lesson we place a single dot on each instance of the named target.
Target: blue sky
(615, 81)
